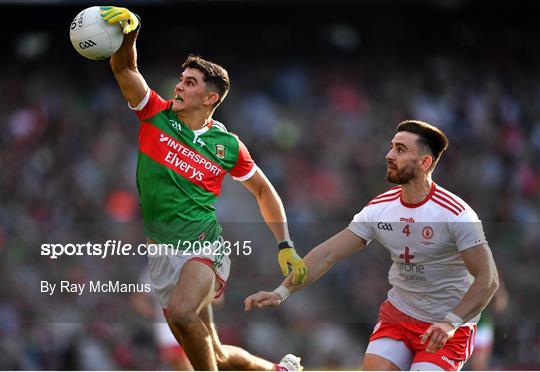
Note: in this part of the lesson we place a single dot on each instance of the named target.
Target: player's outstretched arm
(318, 261)
(124, 61)
(273, 214)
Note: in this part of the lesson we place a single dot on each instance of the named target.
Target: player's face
(190, 92)
(403, 159)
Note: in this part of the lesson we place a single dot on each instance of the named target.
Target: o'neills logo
(407, 219)
(449, 361)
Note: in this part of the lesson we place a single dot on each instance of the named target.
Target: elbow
(488, 284)
(491, 285)
(329, 259)
(120, 65)
(261, 191)
(116, 67)
(494, 284)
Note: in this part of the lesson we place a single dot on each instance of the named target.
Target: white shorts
(484, 337)
(164, 269)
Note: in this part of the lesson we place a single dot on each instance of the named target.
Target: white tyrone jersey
(428, 275)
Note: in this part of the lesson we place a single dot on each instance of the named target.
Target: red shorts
(397, 325)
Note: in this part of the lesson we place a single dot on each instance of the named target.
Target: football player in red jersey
(183, 157)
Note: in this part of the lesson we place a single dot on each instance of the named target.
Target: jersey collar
(204, 129)
(416, 205)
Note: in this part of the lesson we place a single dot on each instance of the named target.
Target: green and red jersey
(180, 172)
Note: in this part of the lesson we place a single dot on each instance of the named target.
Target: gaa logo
(384, 226)
(87, 44)
(176, 125)
(427, 232)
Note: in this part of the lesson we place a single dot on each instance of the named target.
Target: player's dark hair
(430, 137)
(214, 75)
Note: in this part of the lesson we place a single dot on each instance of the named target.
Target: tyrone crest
(427, 232)
(220, 151)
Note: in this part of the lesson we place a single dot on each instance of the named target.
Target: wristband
(140, 22)
(453, 319)
(282, 291)
(285, 244)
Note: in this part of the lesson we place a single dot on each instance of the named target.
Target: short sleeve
(151, 104)
(467, 230)
(361, 226)
(245, 167)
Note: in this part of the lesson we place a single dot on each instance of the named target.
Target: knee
(222, 356)
(182, 318)
(222, 361)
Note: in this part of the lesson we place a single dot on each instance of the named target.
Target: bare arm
(124, 67)
(321, 258)
(274, 215)
(270, 204)
(318, 261)
(480, 263)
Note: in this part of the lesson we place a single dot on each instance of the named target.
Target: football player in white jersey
(443, 274)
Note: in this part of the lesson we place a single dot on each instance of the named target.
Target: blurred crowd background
(317, 89)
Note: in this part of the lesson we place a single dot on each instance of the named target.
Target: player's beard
(401, 176)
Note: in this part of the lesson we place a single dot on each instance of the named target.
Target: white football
(94, 38)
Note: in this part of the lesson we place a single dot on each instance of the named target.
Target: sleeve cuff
(356, 232)
(248, 175)
(464, 247)
(143, 103)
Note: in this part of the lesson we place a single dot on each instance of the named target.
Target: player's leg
(232, 357)
(389, 348)
(387, 354)
(194, 290)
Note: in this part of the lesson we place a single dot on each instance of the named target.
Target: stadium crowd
(317, 120)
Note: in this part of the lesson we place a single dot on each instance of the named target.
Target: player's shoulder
(377, 206)
(450, 202)
(386, 197)
(219, 130)
(219, 127)
(223, 138)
